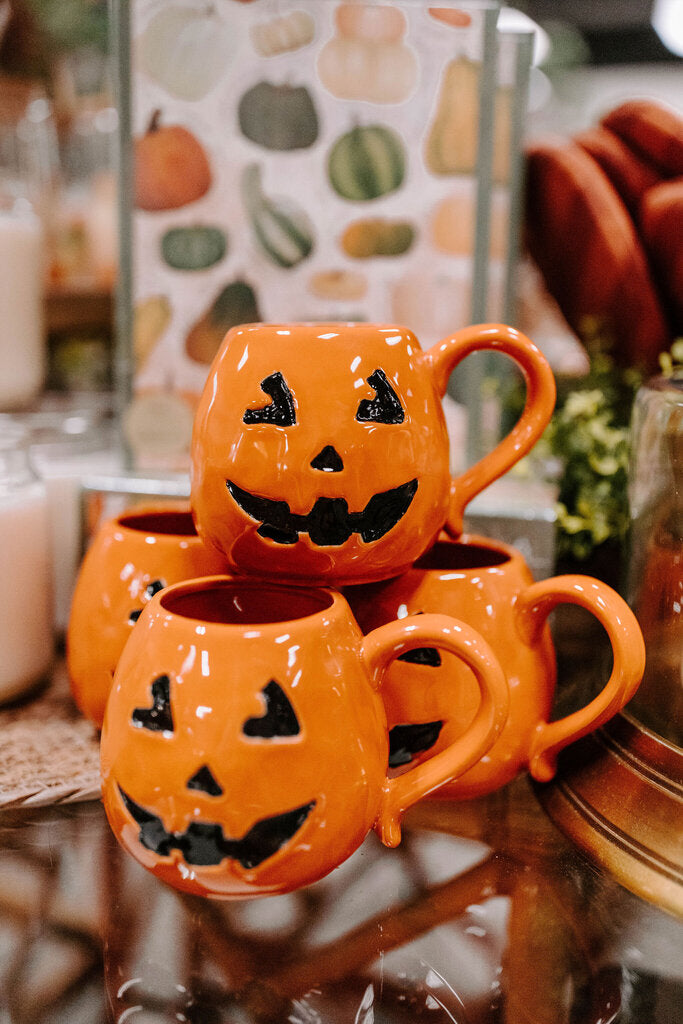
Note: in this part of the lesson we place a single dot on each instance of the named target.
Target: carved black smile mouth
(203, 843)
(329, 523)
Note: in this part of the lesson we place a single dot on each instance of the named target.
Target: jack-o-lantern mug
(429, 700)
(245, 746)
(320, 452)
(131, 557)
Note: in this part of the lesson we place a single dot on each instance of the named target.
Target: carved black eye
(280, 411)
(158, 717)
(154, 587)
(150, 590)
(422, 656)
(385, 406)
(279, 718)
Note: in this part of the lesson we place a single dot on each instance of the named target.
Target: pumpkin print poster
(305, 160)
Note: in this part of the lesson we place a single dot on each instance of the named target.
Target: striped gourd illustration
(367, 162)
(282, 229)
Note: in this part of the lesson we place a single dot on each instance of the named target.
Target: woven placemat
(49, 754)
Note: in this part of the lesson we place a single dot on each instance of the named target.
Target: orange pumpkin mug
(320, 451)
(245, 747)
(131, 557)
(429, 699)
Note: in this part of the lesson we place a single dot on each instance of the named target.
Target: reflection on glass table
(485, 913)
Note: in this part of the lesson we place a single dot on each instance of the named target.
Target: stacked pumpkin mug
(312, 645)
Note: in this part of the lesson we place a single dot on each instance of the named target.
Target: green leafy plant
(589, 439)
(587, 445)
(72, 23)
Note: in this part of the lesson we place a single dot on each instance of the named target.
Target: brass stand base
(618, 795)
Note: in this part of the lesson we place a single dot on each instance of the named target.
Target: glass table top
(485, 914)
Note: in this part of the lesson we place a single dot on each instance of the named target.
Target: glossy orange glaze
(320, 451)
(144, 547)
(244, 747)
(489, 585)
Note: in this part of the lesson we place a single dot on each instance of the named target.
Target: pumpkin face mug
(244, 749)
(320, 451)
(428, 697)
(131, 557)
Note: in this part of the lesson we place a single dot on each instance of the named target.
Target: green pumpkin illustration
(280, 117)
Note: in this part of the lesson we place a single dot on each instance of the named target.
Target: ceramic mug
(428, 697)
(131, 557)
(320, 451)
(244, 749)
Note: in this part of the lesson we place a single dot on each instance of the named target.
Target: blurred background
(57, 71)
(56, 85)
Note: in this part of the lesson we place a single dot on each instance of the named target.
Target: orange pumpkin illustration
(171, 167)
(320, 451)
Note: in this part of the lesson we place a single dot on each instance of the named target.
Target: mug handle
(628, 650)
(387, 642)
(538, 408)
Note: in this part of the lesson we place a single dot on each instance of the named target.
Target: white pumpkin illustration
(367, 59)
(186, 50)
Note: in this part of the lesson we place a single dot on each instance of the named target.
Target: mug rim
(506, 554)
(322, 325)
(139, 520)
(317, 600)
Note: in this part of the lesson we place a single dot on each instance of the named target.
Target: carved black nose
(205, 781)
(328, 460)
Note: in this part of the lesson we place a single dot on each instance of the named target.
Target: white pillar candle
(26, 629)
(22, 341)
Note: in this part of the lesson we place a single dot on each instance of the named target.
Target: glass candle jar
(655, 575)
(69, 437)
(26, 630)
